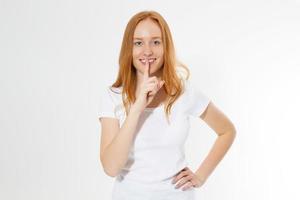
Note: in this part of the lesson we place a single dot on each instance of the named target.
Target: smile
(151, 60)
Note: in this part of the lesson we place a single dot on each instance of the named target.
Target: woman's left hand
(188, 179)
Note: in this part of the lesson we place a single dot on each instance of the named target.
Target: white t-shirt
(157, 153)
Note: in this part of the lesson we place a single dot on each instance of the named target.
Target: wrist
(201, 177)
(134, 110)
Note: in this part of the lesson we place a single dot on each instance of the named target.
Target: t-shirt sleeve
(198, 101)
(107, 105)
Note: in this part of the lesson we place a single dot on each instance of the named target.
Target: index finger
(147, 70)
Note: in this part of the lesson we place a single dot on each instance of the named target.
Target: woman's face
(147, 44)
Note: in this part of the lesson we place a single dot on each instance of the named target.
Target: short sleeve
(197, 101)
(107, 105)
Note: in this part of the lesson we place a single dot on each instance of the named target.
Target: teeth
(150, 60)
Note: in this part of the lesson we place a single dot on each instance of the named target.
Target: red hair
(127, 72)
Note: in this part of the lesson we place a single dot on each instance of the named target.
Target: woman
(144, 117)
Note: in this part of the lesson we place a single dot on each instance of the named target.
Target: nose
(147, 50)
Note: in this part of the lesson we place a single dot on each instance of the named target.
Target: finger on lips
(146, 72)
(147, 66)
(155, 82)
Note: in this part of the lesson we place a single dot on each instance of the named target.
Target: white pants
(132, 190)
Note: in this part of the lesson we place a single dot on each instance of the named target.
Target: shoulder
(193, 92)
(110, 94)
(113, 92)
(188, 87)
(186, 92)
(110, 102)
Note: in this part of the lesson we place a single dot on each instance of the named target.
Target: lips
(150, 60)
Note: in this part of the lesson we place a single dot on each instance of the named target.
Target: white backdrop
(57, 56)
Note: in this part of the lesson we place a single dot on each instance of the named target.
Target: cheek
(135, 57)
(160, 53)
(136, 51)
(161, 61)
(161, 49)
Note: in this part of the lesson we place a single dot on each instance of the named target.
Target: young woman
(145, 114)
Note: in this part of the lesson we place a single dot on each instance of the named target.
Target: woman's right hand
(148, 89)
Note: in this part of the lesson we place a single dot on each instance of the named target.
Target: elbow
(232, 131)
(229, 132)
(109, 170)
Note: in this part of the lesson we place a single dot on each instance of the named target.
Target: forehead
(147, 28)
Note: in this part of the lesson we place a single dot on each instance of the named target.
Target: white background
(57, 56)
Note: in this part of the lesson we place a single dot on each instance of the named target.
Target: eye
(138, 43)
(157, 42)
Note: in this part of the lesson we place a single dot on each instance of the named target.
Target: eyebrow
(156, 37)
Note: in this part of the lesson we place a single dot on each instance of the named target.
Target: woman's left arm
(226, 132)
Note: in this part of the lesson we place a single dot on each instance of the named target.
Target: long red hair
(127, 72)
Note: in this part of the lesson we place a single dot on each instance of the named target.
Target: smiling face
(147, 44)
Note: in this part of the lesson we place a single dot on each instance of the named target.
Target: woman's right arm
(116, 142)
